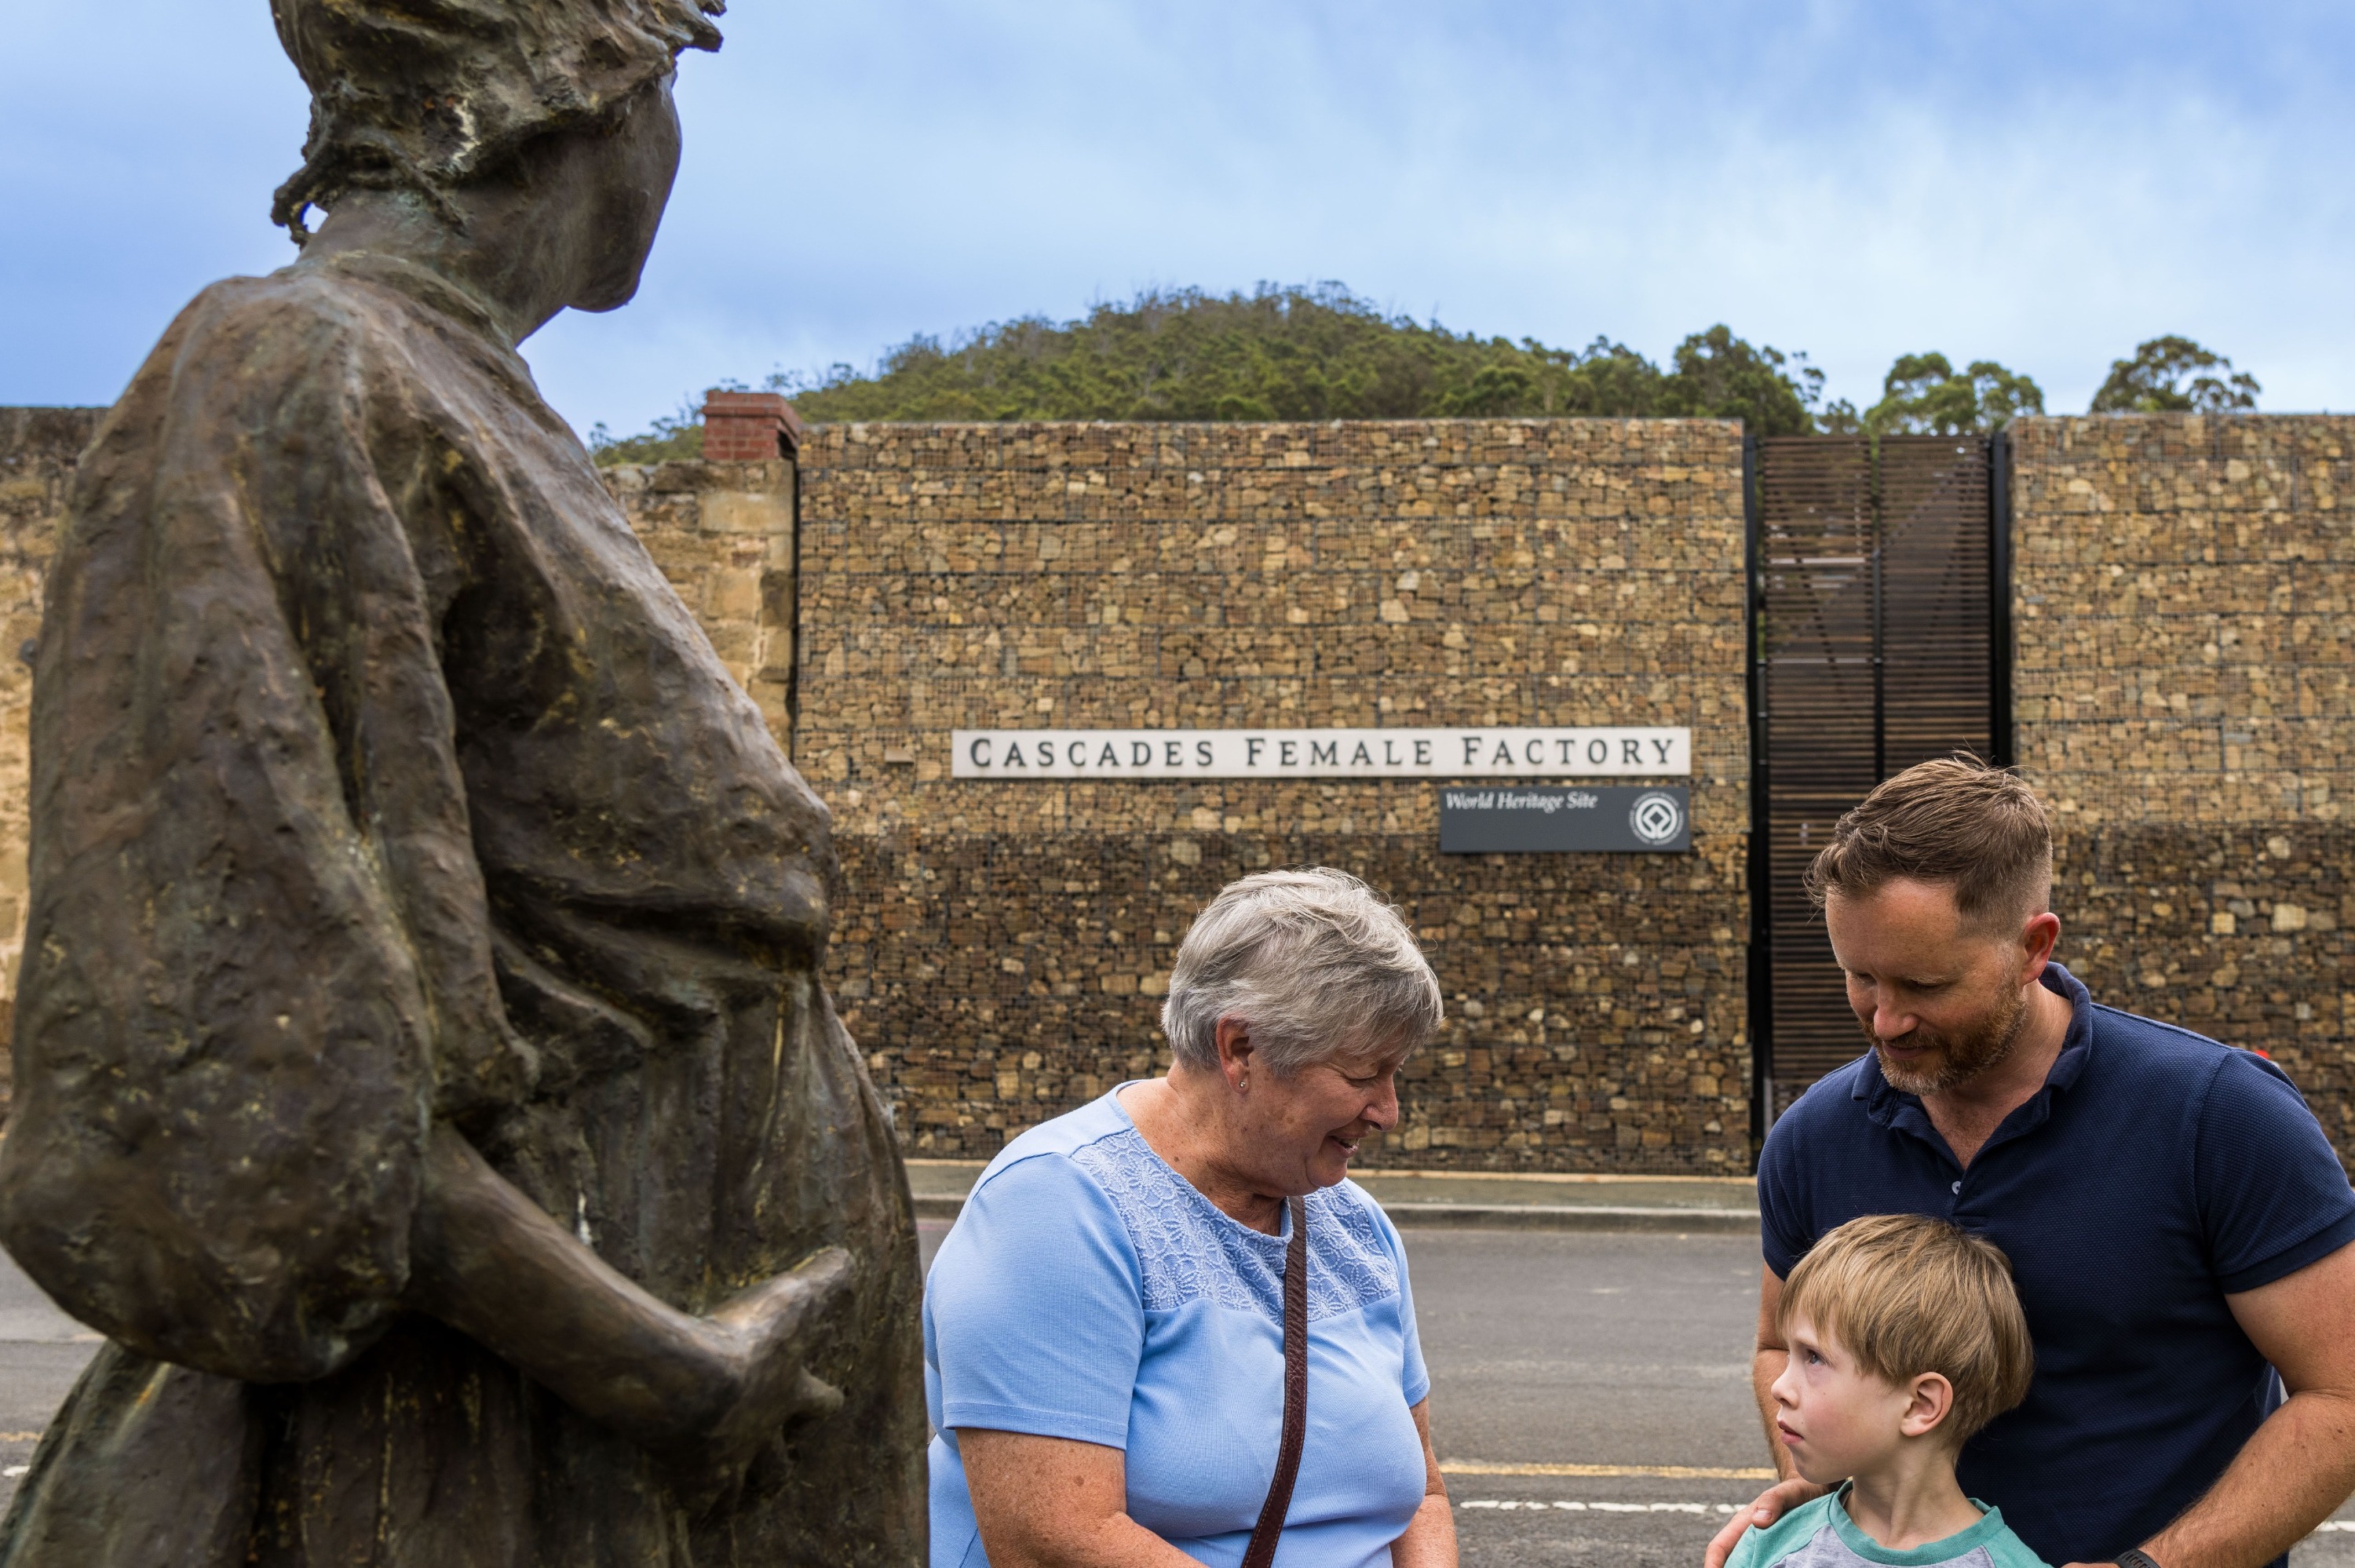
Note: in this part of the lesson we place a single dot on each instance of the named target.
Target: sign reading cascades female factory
(1589, 753)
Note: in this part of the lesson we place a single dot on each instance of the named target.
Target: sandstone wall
(723, 534)
(1001, 946)
(38, 448)
(2185, 660)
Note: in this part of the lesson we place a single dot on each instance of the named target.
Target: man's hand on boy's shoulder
(1771, 1505)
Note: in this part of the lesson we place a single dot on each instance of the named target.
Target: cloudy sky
(2042, 185)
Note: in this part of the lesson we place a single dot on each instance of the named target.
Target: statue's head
(435, 96)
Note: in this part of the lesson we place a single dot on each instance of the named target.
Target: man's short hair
(1955, 821)
(1906, 1295)
(1313, 961)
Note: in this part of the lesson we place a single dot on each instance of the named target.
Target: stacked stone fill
(2185, 658)
(1002, 947)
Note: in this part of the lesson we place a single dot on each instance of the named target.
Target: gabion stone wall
(1002, 947)
(2183, 678)
(2185, 696)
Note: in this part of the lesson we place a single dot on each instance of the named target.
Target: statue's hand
(771, 1328)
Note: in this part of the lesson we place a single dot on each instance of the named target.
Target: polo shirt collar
(2077, 1045)
(1892, 1108)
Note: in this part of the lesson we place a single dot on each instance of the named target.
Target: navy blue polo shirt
(2155, 1172)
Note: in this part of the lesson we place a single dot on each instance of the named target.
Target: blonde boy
(1906, 1338)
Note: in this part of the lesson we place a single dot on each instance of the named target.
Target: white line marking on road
(13, 1471)
(1508, 1504)
(1659, 1472)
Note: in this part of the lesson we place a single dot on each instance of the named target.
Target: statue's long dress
(379, 776)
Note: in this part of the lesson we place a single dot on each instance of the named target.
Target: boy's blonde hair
(1906, 1293)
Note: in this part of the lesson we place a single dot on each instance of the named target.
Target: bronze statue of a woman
(424, 1074)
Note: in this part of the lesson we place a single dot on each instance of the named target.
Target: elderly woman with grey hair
(1116, 1332)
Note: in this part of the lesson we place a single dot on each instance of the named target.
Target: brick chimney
(749, 427)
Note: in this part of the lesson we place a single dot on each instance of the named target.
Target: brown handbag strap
(1295, 1395)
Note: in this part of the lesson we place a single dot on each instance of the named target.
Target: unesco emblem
(1655, 818)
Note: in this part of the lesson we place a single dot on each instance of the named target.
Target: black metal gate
(1879, 639)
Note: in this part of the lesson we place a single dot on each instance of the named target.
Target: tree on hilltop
(2175, 375)
(1922, 396)
(1720, 376)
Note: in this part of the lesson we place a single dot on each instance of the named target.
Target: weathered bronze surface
(423, 1075)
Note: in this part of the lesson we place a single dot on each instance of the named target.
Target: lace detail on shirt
(1187, 1249)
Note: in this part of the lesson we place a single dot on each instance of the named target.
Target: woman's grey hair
(1313, 961)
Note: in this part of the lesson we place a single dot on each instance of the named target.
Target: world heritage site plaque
(1600, 820)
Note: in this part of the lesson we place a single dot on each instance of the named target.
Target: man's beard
(1961, 1057)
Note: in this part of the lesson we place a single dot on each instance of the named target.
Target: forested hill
(1296, 354)
(1281, 354)
(1323, 354)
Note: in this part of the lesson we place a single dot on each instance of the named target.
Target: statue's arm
(488, 1261)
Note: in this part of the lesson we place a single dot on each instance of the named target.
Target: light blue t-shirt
(1089, 1292)
(1820, 1534)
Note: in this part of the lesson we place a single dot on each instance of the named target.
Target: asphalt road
(1612, 1352)
(1608, 1359)
(42, 1351)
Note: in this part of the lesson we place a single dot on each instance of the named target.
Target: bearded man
(2181, 1233)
